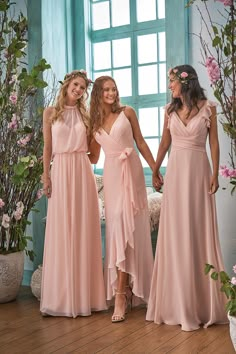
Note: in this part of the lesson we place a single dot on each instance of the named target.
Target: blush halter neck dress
(72, 280)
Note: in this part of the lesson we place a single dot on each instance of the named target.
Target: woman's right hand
(157, 181)
(47, 186)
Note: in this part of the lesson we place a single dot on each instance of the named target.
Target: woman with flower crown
(129, 258)
(188, 236)
(72, 280)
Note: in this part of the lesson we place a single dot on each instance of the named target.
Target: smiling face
(109, 92)
(75, 90)
(174, 86)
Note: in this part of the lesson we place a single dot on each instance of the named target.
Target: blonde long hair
(97, 112)
(81, 102)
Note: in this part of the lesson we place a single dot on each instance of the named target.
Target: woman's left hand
(214, 185)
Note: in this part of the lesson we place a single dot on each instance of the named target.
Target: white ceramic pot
(232, 329)
(11, 275)
(36, 282)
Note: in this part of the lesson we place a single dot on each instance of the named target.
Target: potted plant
(218, 49)
(228, 286)
(20, 145)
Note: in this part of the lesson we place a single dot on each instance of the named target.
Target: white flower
(6, 221)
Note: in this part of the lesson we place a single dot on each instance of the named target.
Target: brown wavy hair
(81, 102)
(191, 90)
(97, 112)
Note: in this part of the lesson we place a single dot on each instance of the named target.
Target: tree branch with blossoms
(219, 58)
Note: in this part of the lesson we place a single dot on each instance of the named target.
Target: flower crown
(76, 73)
(182, 77)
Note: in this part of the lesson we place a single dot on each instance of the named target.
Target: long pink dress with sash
(128, 240)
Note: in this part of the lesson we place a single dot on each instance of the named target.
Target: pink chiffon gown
(128, 238)
(72, 280)
(181, 294)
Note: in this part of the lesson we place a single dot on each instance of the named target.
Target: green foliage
(219, 42)
(20, 131)
(227, 287)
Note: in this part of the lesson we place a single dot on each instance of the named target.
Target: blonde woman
(72, 282)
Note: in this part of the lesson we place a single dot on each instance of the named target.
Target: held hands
(157, 181)
(214, 185)
(47, 186)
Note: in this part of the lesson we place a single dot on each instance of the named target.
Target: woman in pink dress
(181, 294)
(72, 281)
(129, 259)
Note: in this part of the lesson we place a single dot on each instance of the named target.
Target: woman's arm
(47, 150)
(215, 152)
(157, 179)
(94, 151)
(140, 142)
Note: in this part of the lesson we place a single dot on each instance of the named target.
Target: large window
(128, 42)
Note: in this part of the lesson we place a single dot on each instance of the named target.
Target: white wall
(226, 204)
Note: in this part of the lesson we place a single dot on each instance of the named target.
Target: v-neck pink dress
(128, 239)
(181, 294)
(72, 282)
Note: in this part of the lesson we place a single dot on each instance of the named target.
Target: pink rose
(13, 98)
(232, 173)
(226, 2)
(233, 280)
(13, 123)
(234, 268)
(212, 69)
(1, 203)
(184, 75)
(24, 141)
(224, 171)
(17, 215)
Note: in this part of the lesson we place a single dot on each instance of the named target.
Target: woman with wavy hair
(188, 236)
(128, 259)
(72, 281)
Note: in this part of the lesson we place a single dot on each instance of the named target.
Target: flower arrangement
(228, 286)
(20, 132)
(182, 77)
(219, 57)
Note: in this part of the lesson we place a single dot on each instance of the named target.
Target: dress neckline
(108, 133)
(186, 125)
(70, 107)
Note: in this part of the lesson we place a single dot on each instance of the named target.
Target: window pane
(102, 55)
(153, 146)
(147, 48)
(120, 12)
(162, 46)
(148, 121)
(161, 9)
(101, 73)
(146, 10)
(101, 15)
(121, 52)
(123, 81)
(162, 78)
(147, 79)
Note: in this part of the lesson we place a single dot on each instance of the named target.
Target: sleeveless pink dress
(188, 236)
(128, 239)
(72, 281)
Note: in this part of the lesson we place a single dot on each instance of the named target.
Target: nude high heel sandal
(120, 318)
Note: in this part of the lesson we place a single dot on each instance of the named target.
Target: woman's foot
(120, 307)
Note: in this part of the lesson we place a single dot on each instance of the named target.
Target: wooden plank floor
(23, 330)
